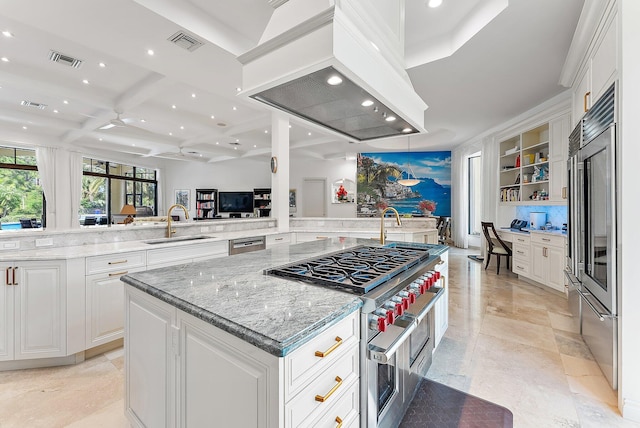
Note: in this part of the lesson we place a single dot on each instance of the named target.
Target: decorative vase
(426, 213)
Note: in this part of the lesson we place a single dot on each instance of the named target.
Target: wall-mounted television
(235, 202)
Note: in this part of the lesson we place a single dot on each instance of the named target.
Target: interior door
(314, 197)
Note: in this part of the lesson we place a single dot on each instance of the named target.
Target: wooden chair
(495, 245)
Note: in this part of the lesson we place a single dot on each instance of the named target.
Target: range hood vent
(63, 59)
(372, 96)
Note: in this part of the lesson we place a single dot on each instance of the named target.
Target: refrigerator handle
(601, 316)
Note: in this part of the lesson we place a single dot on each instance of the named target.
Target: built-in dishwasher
(245, 245)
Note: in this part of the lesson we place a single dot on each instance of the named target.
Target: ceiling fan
(117, 122)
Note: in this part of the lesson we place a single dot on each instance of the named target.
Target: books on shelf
(510, 195)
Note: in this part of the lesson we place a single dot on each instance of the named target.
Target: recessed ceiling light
(150, 52)
(217, 143)
(65, 102)
(235, 148)
(24, 127)
(55, 111)
(143, 120)
(85, 81)
(7, 33)
(407, 130)
(102, 65)
(173, 106)
(181, 127)
(309, 134)
(367, 103)
(334, 80)
(200, 154)
(4, 59)
(213, 117)
(237, 140)
(170, 133)
(133, 144)
(434, 3)
(390, 118)
(193, 95)
(99, 139)
(238, 89)
(235, 108)
(375, 46)
(255, 145)
(266, 131)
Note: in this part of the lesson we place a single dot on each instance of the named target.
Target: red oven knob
(382, 324)
(412, 297)
(391, 316)
(407, 297)
(399, 305)
(378, 321)
(437, 274)
(416, 290)
(393, 309)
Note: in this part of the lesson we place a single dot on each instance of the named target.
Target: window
(22, 201)
(108, 186)
(475, 183)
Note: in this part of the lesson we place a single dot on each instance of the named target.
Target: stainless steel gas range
(399, 284)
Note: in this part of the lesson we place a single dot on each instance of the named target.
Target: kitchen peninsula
(223, 340)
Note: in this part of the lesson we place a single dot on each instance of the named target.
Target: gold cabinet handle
(322, 399)
(546, 239)
(339, 422)
(119, 273)
(586, 95)
(330, 350)
(14, 276)
(118, 262)
(6, 277)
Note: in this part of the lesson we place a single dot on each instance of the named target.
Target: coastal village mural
(378, 187)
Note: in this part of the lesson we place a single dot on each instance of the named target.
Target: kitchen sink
(177, 239)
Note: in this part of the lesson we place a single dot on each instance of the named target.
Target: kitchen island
(221, 341)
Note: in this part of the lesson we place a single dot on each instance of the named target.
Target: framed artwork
(292, 201)
(182, 197)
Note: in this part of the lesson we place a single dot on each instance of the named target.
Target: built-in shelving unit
(206, 204)
(262, 202)
(524, 167)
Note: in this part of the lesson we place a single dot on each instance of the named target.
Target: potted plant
(427, 207)
(341, 194)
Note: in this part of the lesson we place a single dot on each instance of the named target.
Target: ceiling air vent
(64, 59)
(33, 104)
(185, 41)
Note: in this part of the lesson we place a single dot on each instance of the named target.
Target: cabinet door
(539, 263)
(6, 312)
(105, 307)
(150, 359)
(40, 310)
(581, 89)
(604, 60)
(555, 257)
(558, 153)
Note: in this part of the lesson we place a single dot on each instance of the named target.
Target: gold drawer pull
(520, 267)
(520, 252)
(118, 262)
(330, 350)
(322, 399)
(546, 239)
(339, 421)
(119, 273)
(586, 95)
(7, 276)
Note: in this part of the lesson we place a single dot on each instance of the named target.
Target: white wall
(332, 170)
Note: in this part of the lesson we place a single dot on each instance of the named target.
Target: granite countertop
(274, 314)
(530, 231)
(88, 250)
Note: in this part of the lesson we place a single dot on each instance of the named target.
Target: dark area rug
(476, 258)
(437, 405)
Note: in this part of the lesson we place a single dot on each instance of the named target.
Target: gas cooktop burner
(360, 268)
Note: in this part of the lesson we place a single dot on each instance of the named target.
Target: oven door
(597, 159)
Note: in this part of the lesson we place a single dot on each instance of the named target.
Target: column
(280, 178)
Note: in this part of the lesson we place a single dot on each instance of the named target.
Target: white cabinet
(278, 239)
(441, 315)
(521, 251)
(33, 323)
(182, 371)
(177, 254)
(599, 68)
(547, 260)
(558, 155)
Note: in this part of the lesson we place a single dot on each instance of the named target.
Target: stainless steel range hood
(309, 42)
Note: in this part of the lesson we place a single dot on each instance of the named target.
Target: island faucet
(170, 232)
(383, 233)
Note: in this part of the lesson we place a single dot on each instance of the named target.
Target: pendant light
(408, 182)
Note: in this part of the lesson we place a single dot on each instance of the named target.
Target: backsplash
(556, 214)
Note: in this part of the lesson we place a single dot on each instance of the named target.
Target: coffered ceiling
(476, 63)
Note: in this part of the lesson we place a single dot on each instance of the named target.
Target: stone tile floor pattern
(508, 342)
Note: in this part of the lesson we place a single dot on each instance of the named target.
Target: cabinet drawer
(115, 262)
(303, 364)
(346, 409)
(548, 239)
(519, 239)
(172, 255)
(338, 377)
(520, 267)
(281, 238)
(521, 251)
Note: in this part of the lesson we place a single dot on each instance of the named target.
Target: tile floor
(508, 342)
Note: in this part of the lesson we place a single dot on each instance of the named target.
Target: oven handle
(384, 346)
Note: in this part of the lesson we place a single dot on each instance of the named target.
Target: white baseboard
(631, 410)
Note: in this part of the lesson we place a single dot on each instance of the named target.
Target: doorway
(314, 197)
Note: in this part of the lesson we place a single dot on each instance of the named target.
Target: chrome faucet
(383, 233)
(170, 231)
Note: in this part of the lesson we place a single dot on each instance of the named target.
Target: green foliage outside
(373, 177)
(20, 195)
